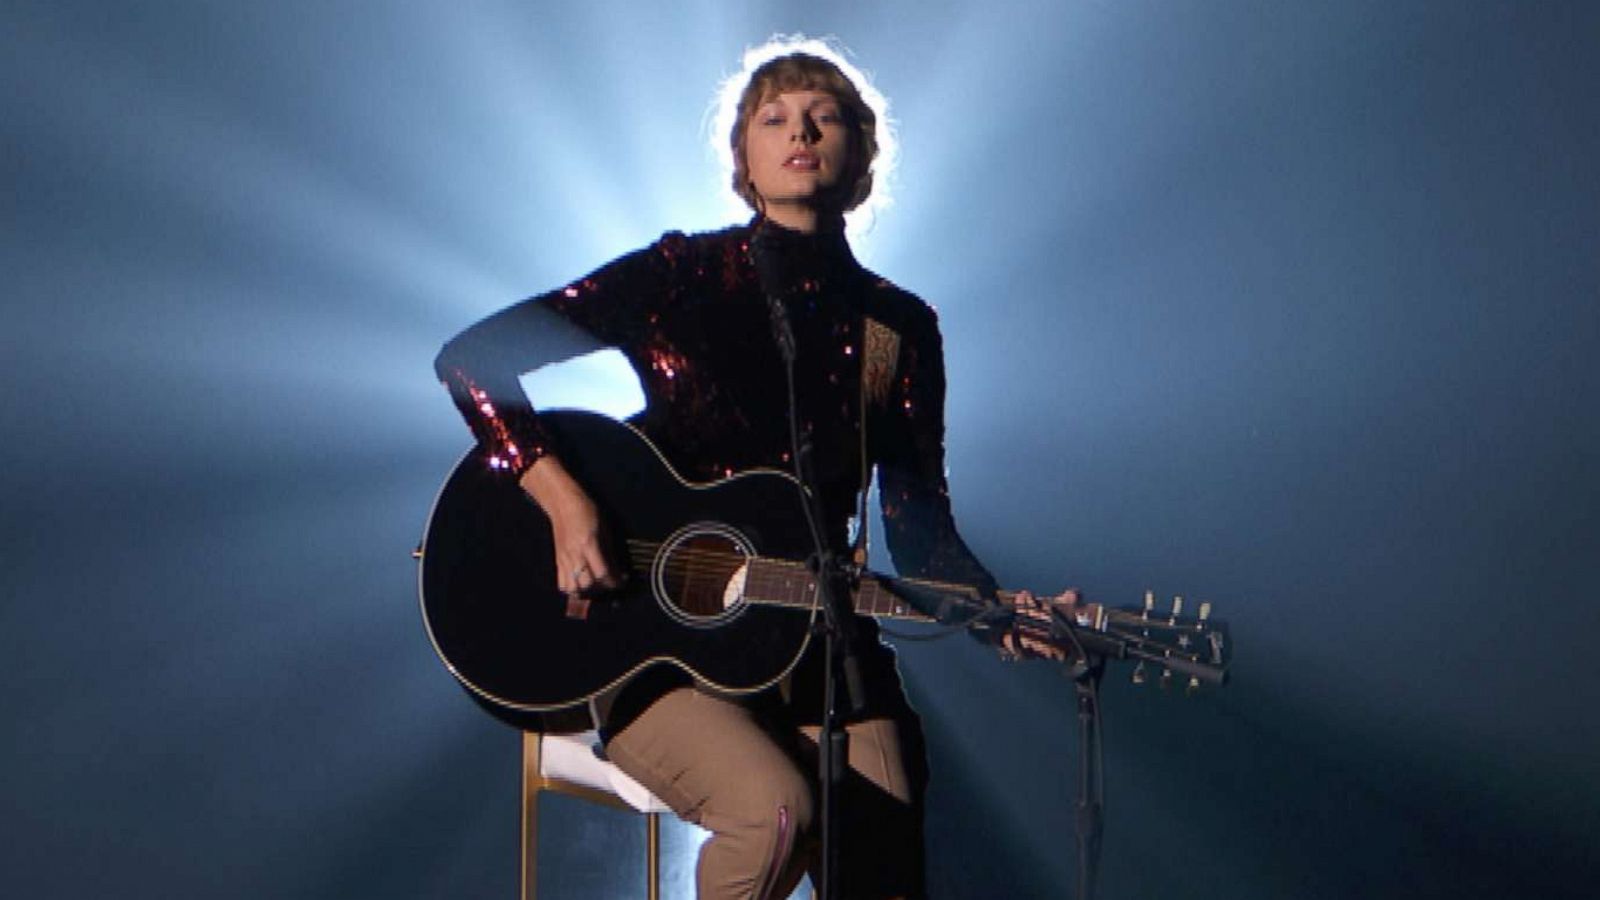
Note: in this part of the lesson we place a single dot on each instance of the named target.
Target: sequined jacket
(689, 314)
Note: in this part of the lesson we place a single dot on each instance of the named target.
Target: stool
(569, 764)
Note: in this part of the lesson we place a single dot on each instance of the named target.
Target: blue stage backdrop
(1291, 307)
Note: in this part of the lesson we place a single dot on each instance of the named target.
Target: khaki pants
(748, 779)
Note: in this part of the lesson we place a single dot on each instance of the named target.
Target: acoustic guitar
(714, 584)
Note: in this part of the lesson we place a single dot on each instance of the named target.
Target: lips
(808, 162)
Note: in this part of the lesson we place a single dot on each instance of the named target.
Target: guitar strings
(723, 567)
(688, 562)
(775, 574)
(644, 552)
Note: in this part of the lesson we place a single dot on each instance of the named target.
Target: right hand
(581, 565)
(1018, 644)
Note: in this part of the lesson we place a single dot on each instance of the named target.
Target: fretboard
(778, 582)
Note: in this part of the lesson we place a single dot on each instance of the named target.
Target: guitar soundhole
(700, 574)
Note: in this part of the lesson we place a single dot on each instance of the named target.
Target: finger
(1033, 613)
(583, 577)
(1046, 651)
(599, 571)
(571, 574)
(1009, 650)
(592, 570)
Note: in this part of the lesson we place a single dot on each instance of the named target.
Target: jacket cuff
(510, 434)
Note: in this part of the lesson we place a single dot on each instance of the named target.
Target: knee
(776, 803)
(759, 821)
(760, 812)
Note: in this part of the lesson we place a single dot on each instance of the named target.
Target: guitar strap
(880, 356)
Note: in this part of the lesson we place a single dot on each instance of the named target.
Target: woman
(691, 315)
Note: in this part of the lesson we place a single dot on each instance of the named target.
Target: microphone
(770, 274)
(782, 331)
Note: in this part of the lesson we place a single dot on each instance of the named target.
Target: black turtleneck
(690, 314)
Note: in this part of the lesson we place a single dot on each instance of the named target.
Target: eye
(772, 119)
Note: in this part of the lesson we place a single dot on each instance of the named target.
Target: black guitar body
(488, 585)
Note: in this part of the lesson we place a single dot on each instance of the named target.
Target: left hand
(1015, 644)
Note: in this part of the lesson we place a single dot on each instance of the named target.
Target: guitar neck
(1191, 647)
(780, 582)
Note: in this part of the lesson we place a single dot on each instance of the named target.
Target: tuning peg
(1138, 673)
(1166, 679)
(1177, 607)
(1194, 685)
(1149, 602)
(1205, 612)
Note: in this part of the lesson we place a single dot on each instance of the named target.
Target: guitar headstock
(1177, 644)
(1193, 647)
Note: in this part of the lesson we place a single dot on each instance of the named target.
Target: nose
(807, 131)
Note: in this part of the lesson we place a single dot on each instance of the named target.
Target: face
(797, 150)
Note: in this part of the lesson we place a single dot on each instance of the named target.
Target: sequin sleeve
(920, 530)
(481, 366)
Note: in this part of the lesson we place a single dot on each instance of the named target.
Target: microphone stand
(838, 627)
(1087, 671)
(1091, 649)
(1091, 778)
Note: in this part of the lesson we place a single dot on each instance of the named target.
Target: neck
(804, 218)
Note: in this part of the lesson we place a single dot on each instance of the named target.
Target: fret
(778, 582)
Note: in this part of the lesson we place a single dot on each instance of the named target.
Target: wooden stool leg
(652, 856)
(530, 814)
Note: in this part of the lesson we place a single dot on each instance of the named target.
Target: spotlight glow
(601, 382)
